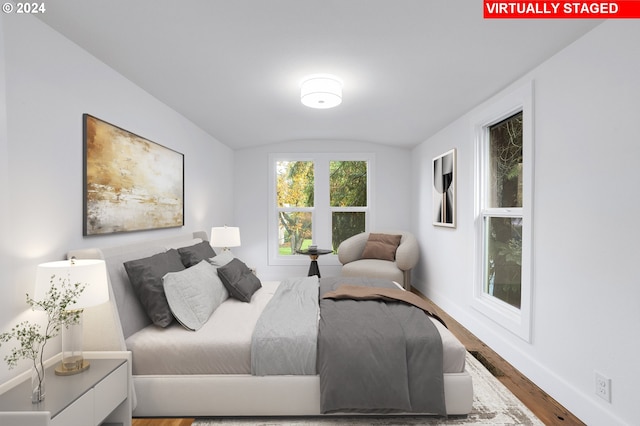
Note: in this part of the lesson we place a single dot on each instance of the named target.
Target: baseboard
(583, 405)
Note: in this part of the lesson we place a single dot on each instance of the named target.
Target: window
(502, 211)
(504, 165)
(319, 199)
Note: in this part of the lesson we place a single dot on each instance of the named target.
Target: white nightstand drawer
(79, 413)
(110, 392)
(99, 394)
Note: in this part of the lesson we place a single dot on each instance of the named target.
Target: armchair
(399, 270)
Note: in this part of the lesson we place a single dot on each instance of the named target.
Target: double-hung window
(504, 176)
(319, 199)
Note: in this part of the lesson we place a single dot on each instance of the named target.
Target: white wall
(586, 313)
(390, 201)
(50, 82)
(5, 246)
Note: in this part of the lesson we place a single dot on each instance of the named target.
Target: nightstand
(98, 396)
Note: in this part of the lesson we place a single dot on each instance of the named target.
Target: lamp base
(78, 367)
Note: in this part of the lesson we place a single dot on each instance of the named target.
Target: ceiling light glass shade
(321, 91)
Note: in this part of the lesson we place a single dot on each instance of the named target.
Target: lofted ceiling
(233, 67)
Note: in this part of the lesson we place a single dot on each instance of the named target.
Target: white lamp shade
(225, 236)
(90, 272)
(321, 91)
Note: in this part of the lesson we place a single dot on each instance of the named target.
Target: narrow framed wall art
(444, 189)
(130, 183)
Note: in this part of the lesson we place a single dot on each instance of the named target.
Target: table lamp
(225, 237)
(93, 274)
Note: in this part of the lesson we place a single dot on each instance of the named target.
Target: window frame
(321, 210)
(517, 321)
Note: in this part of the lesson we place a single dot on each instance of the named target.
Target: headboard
(108, 325)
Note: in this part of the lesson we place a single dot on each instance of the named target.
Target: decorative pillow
(194, 254)
(239, 280)
(381, 246)
(194, 293)
(146, 275)
(221, 259)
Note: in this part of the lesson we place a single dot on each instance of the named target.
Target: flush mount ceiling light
(321, 91)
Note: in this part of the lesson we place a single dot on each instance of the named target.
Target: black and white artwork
(444, 189)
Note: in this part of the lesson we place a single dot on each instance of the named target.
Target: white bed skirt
(246, 395)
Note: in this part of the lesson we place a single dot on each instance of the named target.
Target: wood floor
(542, 405)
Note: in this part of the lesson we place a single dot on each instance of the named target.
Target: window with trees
(322, 199)
(348, 199)
(502, 212)
(295, 202)
(504, 158)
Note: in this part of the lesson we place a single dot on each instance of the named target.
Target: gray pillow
(192, 255)
(146, 275)
(193, 294)
(239, 280)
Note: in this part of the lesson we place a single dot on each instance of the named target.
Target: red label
(561, 9)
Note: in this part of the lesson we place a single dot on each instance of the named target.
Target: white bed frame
(218, 395)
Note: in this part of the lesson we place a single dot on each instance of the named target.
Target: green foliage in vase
(31, 338)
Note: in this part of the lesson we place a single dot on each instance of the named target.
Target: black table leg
(313, 269)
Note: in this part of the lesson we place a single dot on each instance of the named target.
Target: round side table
(313, 255)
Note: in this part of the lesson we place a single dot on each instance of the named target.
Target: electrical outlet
(603, 387)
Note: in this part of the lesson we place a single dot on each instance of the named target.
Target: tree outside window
(300, 183)
(503, 211)
(295, 197)
(348, 199)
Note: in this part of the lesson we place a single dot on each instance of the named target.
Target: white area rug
(493, 404)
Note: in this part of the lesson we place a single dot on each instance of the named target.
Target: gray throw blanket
(285, 338)
(377, 356)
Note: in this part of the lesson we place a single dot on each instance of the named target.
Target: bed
(181, 373)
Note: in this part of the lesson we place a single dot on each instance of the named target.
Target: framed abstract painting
(130, 183)
(444, 189)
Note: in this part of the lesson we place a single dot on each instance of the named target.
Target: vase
(72, 359)
(37, 383)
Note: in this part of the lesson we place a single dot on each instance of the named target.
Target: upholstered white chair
(351, 250)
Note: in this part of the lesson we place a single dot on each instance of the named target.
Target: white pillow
(194, 293)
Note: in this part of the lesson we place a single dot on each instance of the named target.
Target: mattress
(223, 344)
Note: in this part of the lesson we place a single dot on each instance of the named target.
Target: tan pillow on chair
(381, 246)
